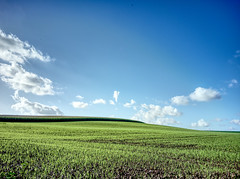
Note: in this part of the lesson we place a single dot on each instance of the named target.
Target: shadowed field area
(113, 149)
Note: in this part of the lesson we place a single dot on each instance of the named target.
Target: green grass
(113, 149)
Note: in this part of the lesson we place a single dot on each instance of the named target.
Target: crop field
(115, 149)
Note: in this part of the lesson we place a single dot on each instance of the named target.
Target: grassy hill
(28, 118)
(113, 149)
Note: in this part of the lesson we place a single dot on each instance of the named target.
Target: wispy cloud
(99, 101)
(156, 114)
(235, 60)
(237, 54)
(115, 95)
(111, 102)
(232, 83)
(24, 106)
(218, 120)
(236, 121)
(79, 104)
(130, 104)
(13, 50)
(200, 123)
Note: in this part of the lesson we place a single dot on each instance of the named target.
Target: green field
(115, 149)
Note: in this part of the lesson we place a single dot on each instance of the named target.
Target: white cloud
(232, 83)
(115, 95)
(99, 101)
(111, 102)
(24, 106)
(13, 50)
(79, 97)
(200, 123)
(79, 105)
(180, 100)
(16, 52)
(200, 94)
(156, 115)
(203, 94)
(128, 105)
(236, 121)
(20, 79)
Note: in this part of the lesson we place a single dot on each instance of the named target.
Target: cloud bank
(13, 55)
(156, 115)
(24, 106)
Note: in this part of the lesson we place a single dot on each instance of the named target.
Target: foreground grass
(100, 149)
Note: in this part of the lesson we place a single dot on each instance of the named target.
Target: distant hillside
(28, 118)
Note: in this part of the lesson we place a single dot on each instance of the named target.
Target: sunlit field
(115, 149)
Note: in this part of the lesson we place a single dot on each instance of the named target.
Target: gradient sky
(164, 62)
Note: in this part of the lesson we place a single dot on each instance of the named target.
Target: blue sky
(166, 62)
